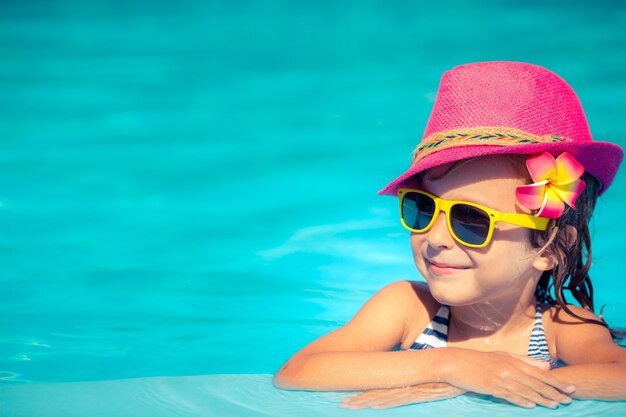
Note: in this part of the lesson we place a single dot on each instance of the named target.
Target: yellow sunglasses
(469, 223)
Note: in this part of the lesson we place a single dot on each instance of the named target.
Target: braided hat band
(483, 136)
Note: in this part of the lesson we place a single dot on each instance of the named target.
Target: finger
(417, 397)
(552, 381)
(365, 398)
(372, 400)
(514, 398)
(399, 401)
(532, 395)
(394, 397)
(416, 394)
(548, 392)
(352, 402)
(364, 395)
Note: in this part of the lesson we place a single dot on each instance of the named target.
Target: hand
(394, 397)
(520, 380)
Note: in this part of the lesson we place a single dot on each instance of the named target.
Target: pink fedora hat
(490, 108)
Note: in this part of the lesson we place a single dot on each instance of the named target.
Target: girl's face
(459, 275)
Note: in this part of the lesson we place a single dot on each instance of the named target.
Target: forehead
(482, 179)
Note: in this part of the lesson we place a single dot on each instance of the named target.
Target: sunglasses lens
(470, 224)
(417, 210)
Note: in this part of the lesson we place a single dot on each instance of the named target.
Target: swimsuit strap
(538, 346)
(436, 333)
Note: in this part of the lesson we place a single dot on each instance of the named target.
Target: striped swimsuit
(436, 335)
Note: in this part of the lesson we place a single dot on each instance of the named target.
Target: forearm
(350, 371)
(601, 381)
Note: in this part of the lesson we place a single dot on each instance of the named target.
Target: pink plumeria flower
(556, 183)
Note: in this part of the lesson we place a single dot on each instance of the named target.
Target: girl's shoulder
(418, 304)
(577, 334)
(413, 294)
(562, 322)
(558, 316)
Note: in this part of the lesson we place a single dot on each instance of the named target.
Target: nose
(439, 236)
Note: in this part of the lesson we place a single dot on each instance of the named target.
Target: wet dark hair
(572, 257)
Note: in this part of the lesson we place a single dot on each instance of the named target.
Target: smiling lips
(443, 269)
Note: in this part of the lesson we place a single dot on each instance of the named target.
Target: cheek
(514, 254)
(415, 241)
(515, 239)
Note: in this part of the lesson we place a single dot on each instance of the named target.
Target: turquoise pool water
(189, 188)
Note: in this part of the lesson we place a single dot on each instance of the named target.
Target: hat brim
(600, 159)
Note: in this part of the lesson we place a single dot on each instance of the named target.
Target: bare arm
(358, 355)
(597, 366)
(357, 371)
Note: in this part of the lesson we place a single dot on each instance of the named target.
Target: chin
(450, 295)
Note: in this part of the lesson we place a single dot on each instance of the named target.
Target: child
(498, 200)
